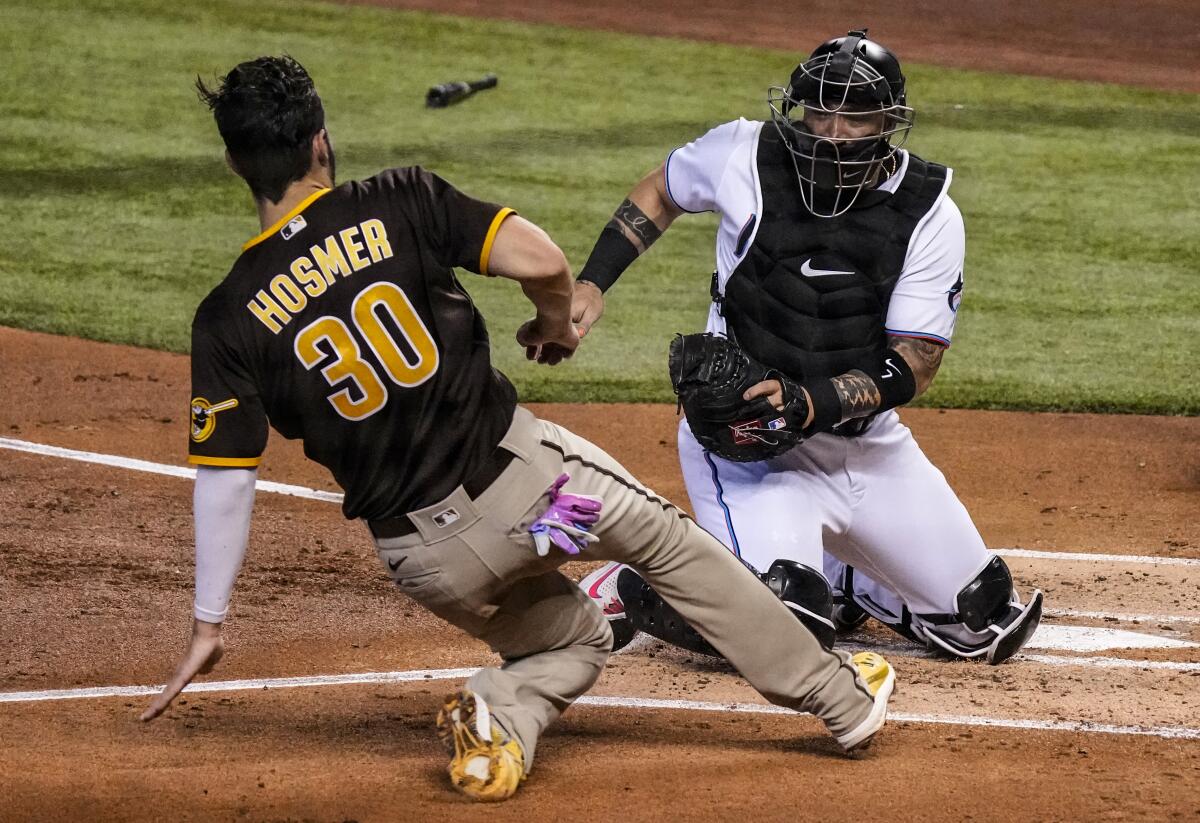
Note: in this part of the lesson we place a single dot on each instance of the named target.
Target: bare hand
(204, 652)
(546, 345)
(773, 391)
(770, 389)
(587, 304)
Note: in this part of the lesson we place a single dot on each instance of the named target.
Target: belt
(474, 486)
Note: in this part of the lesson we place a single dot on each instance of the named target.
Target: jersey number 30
(349, 363)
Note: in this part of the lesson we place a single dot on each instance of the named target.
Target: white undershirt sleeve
(924, 303)
(222, 502)
(694, 171)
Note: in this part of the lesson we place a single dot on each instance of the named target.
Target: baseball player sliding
(838, 278)
(342, 324)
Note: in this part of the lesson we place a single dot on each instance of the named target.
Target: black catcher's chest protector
(810, 298)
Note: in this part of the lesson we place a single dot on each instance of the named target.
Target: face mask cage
(834, 170)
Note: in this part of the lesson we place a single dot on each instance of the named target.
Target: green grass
(1082, 201)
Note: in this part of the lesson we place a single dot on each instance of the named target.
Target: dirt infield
(96, 563)
(1154, 43)
(95, 585)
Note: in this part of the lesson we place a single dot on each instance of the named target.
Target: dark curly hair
(268, 113)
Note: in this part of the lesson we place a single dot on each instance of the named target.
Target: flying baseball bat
(441, 96)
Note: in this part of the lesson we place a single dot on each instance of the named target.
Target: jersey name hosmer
(311, 275)
(351, 332)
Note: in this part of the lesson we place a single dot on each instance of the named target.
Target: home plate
(1096, 638)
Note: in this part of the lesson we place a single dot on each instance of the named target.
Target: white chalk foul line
(1110, 662)
(1122, 618)
(1171, 732)
(1101, 558)
(157, 468)
(901, 649)
(334, 497)
(241, 685)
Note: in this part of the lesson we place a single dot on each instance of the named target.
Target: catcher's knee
(990, 621)
(806, 592)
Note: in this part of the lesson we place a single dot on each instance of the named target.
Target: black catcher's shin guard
(806, 592)
(801, 589)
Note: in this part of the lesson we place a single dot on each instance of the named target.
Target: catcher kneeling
(741, 411)
(839, 265)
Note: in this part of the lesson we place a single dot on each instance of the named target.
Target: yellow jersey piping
(235, 462)
(486, 253)
(283, 221)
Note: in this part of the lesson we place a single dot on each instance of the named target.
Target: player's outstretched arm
(222, 501)
(523, 252)
(641, 219)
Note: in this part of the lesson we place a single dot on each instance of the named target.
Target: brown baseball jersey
(343, 325)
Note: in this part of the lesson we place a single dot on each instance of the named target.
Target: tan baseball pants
(482, 574)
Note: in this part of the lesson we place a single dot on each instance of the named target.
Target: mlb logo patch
(776, 424)
(294, 225)
(444, 518)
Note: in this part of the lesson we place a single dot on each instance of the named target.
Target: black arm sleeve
(889, 372)
(612, 254)
(895, 379)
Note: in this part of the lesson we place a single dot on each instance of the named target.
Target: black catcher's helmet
(857, 85)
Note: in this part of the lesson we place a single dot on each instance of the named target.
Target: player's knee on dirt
(801, 588)
(990, 622)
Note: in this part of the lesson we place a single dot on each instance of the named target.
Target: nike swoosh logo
(594, 591)
(808, 271)
(889, 372)
(396, 565)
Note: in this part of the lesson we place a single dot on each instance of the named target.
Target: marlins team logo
(954, 296)
(750, 431)
(204, 417)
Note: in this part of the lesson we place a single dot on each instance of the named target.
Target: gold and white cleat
(880, 679)
(486, 763)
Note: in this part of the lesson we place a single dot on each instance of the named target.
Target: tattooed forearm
(923, 357)
(858, 393)
(634, 224)
(888, 384)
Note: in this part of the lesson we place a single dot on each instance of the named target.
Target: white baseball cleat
(601, 587)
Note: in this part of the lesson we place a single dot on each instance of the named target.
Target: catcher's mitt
(710, 374)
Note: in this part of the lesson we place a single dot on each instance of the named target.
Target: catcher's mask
(843, 118)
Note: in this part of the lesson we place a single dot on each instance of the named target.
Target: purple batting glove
(567, 523)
